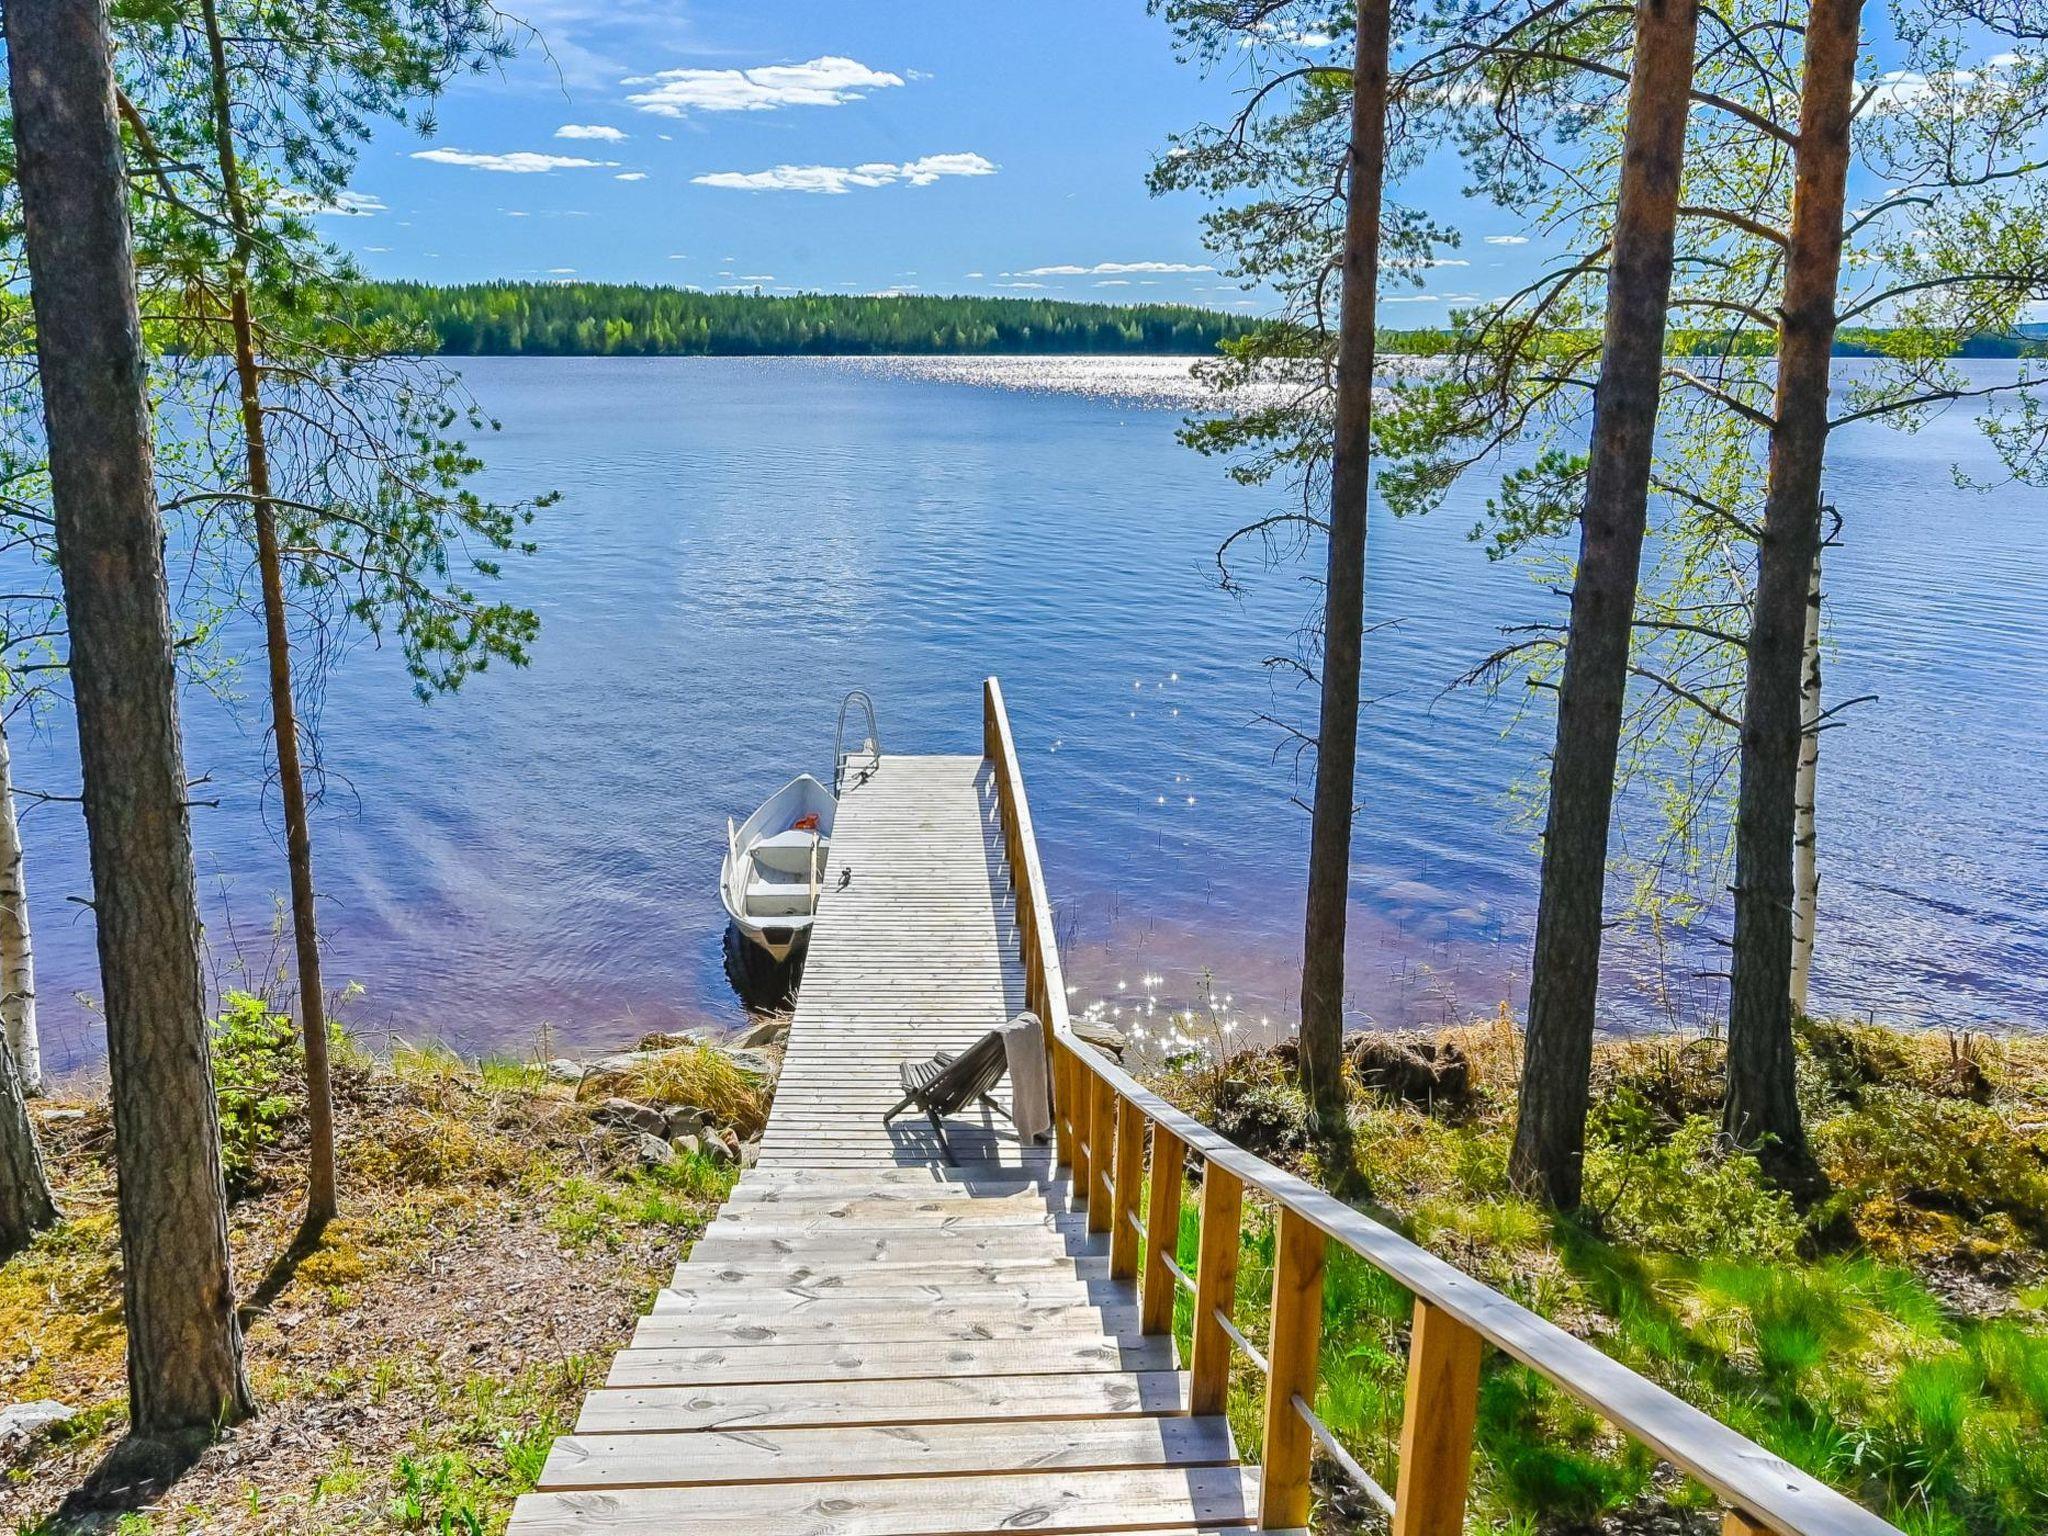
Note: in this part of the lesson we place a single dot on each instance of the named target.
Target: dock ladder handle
(872, 745)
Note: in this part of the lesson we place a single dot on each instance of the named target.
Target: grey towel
(1030, 1083)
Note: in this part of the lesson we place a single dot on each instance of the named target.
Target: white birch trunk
(17, 955)
(1805, 851)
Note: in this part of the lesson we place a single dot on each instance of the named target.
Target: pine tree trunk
(1550, 1123)
(1805, 845)
(184, 1345)
(26, 1204)
(321, 1205)
(17, 952)
(1329, 860)
(1762, 1107)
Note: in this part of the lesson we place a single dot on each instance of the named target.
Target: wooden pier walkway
(865, 1341)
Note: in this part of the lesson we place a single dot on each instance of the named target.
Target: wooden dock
(865, 1341)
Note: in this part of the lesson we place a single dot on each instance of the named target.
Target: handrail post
(1436, 1429)
(1292, 1370)
(1101, 1152)
(1215, 1289)
(1130, 1179)
(1061, 1068)
(1736, 1523)
(1162, 1230)
(1079, 1102)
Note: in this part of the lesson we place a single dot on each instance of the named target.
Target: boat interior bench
(945, 1084)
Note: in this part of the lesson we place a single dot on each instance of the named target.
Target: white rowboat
(775, 866)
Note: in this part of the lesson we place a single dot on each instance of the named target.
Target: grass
(1892, 1341)
(494, 1245)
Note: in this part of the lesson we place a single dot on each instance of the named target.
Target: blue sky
(974, 149)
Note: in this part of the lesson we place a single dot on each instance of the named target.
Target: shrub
(1270, 1119)
(1682, 1189)
(255, 1057)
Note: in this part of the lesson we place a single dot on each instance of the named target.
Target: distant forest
(626, 320)
(505, 319)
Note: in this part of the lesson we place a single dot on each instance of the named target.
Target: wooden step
(846, 1453)
(910, 1359)
(942, 1209)
(937, 1399)
(731, 1328)
(995, 1290)
(849, 1249)
(826, 1275)
(1053, 1504)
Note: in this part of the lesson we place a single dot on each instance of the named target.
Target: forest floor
(495, 1245)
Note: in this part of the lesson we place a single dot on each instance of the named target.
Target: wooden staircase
(865, 1341)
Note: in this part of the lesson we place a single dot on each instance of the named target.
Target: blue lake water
(740, 541)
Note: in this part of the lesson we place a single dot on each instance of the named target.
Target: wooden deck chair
(947, 1084)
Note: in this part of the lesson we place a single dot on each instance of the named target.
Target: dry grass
(694, 1075)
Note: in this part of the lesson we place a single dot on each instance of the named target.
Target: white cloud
(1507, 239)
(823, 82)
(835, 180)
(561, 271)
(1113, 269)
(630, 176)
(1114, 282)
(974, 274)
(589, 131)
(1415, 263)
(352, 205)
(1020, 285)
(345, 204)
(757, 277)
(519, 162)
(1411, 298)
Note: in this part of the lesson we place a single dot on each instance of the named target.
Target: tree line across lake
(635, 320)
(511, 319)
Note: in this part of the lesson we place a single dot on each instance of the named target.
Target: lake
(533, 862)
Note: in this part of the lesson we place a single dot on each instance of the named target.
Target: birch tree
(30, 630)
(17, 948)
(1805, 801)
(26, 1204)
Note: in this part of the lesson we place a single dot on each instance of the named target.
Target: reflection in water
(740, 541)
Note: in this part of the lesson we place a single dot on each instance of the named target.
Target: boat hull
(780, 934)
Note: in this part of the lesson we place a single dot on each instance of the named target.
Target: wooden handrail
(1455, 1315)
